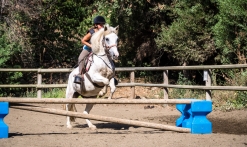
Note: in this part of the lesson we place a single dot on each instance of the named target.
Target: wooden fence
(206, 70)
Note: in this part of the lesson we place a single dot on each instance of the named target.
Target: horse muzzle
(114, 52)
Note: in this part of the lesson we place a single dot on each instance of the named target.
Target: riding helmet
(99, 19)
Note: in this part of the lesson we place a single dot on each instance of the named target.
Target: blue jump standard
(194, 116)
(4, 110)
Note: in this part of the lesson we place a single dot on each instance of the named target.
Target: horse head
(111, 40)
(105, 41)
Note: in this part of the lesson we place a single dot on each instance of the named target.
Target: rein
(99, 56)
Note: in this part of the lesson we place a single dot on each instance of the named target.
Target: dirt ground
(34, 129)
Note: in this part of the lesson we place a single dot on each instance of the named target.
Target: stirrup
(78, 79)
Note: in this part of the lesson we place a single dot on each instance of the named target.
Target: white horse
(99, 75)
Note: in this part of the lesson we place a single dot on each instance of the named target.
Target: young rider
(98, 23)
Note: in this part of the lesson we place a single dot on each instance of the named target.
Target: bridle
(105, 46)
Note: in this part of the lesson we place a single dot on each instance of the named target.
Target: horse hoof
(101, 93)
(93, 127)
(106, 82)
(69, 127)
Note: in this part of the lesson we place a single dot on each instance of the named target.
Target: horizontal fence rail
(233, 88)
(95, 101)
(160, 68)
(132, 83)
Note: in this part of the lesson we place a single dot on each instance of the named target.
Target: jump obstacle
(192, 120)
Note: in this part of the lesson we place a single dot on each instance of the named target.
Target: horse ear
(116, 29)
(106, 27)
(102, 33)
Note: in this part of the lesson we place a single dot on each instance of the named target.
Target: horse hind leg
(86, 111)
(71, 107)
(69, 119)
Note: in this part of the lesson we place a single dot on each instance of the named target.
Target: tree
(140, 23)
(188, 39)
(231, 31)
(7, 49)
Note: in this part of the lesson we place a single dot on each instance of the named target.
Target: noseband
(105, 46)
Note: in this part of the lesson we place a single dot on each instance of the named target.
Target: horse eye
(107, 39)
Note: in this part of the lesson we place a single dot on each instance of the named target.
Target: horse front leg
(112, 87)
(97, 78)
(86, 111)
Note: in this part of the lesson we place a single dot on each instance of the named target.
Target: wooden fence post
(208, 82)
(132, 80)
(165, 76)
(39, 82)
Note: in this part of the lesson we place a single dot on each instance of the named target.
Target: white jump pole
(95, 101)
(103, 118)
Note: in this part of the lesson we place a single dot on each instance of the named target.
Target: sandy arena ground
(35, 129)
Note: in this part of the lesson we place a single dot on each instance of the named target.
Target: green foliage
(231, 31)
(7, 48)
(232, 102)
(188, 38)
(186, 93)
(54, 93)
(241, 100)
(30, 93)
(4, 50)
(139, 23)
(150, 31)
(57, 39)
(237, 78)
(7, 51)
(50, 93)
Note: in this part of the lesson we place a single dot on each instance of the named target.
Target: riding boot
(80, 77)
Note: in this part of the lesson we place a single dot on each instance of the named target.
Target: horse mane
(96, 39)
